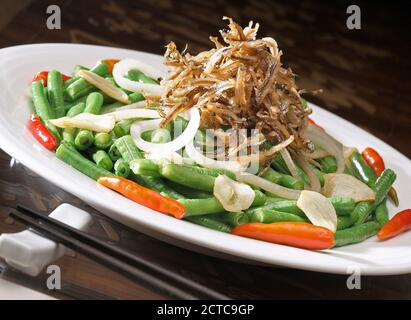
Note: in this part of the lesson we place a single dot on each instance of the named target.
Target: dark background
(364, 74)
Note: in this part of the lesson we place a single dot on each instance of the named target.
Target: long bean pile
(96, 121)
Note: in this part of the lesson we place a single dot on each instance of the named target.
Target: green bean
(94, 103)
(187, 177)
(135, 97)
(282, 179)
(102, 159)
(302, 174)
(102, 140)
(289, 206)
(383, 185)
(73, 158)
(156, 184)
(271, 175)
(291, 182)
(160, 135)
(113, 152)
(81, 87)
(214, 172)
(68, 82)
(212, 205)
(71, 104)
(84, 139)
(76, 109)
(107, 108)
(270, 216)
(381, 213)
(179, 125)
(209, 222)
(146, 135)
(137, 75)
(234, 218)
(121, 168)
(55, 93)
(343, 206)
(189, 192)
(320, 175)
(381, 188)
(54, 130)
(344, 222)
(144, 167)
(40, 101)
(279, 164)
(122, 127)
(127, 149)
(348, 170)
(69, 135)
(201, 206)
(362, 170)
(328, 164)
(356, 234)
(78, 68)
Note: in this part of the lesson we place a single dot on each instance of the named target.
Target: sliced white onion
(280, 146)
(315, 184)
(204, 161)
(106, 86)
(136, 105)
(135, 113)
(122, 67)
(138, 127)
(348, 152)
(328, 143)
(317, 154)
(266, 185)
(290, 164)
(345, 185)
(88, 121)
(233, 196)
(173, 156)
(318, 209)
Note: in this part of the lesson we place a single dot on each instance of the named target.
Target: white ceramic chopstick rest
(29, 252)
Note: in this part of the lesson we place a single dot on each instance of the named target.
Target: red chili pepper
(297, 234)
(311, 121)
(144, 196)
(110, 63)
(42, 75)
(40, 132)
(399, 223)
(374, 160)
(64, 77)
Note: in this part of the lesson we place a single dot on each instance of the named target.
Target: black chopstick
(136, 267)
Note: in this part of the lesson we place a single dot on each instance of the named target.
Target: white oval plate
(19, 64)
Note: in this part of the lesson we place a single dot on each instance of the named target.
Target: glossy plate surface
(19, 64)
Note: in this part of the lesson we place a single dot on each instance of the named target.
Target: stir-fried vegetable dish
(223, 140)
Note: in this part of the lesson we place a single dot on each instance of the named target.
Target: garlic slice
(88, 121)
(104, 85)
(233, 196)
(318, 209)
(345, 185)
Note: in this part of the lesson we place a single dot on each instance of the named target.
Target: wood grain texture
(364, 75)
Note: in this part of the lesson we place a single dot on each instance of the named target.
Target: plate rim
(41, 169)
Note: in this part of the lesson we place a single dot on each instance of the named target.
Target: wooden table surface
(364, 74)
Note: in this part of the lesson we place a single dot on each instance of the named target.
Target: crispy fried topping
(240, 83)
